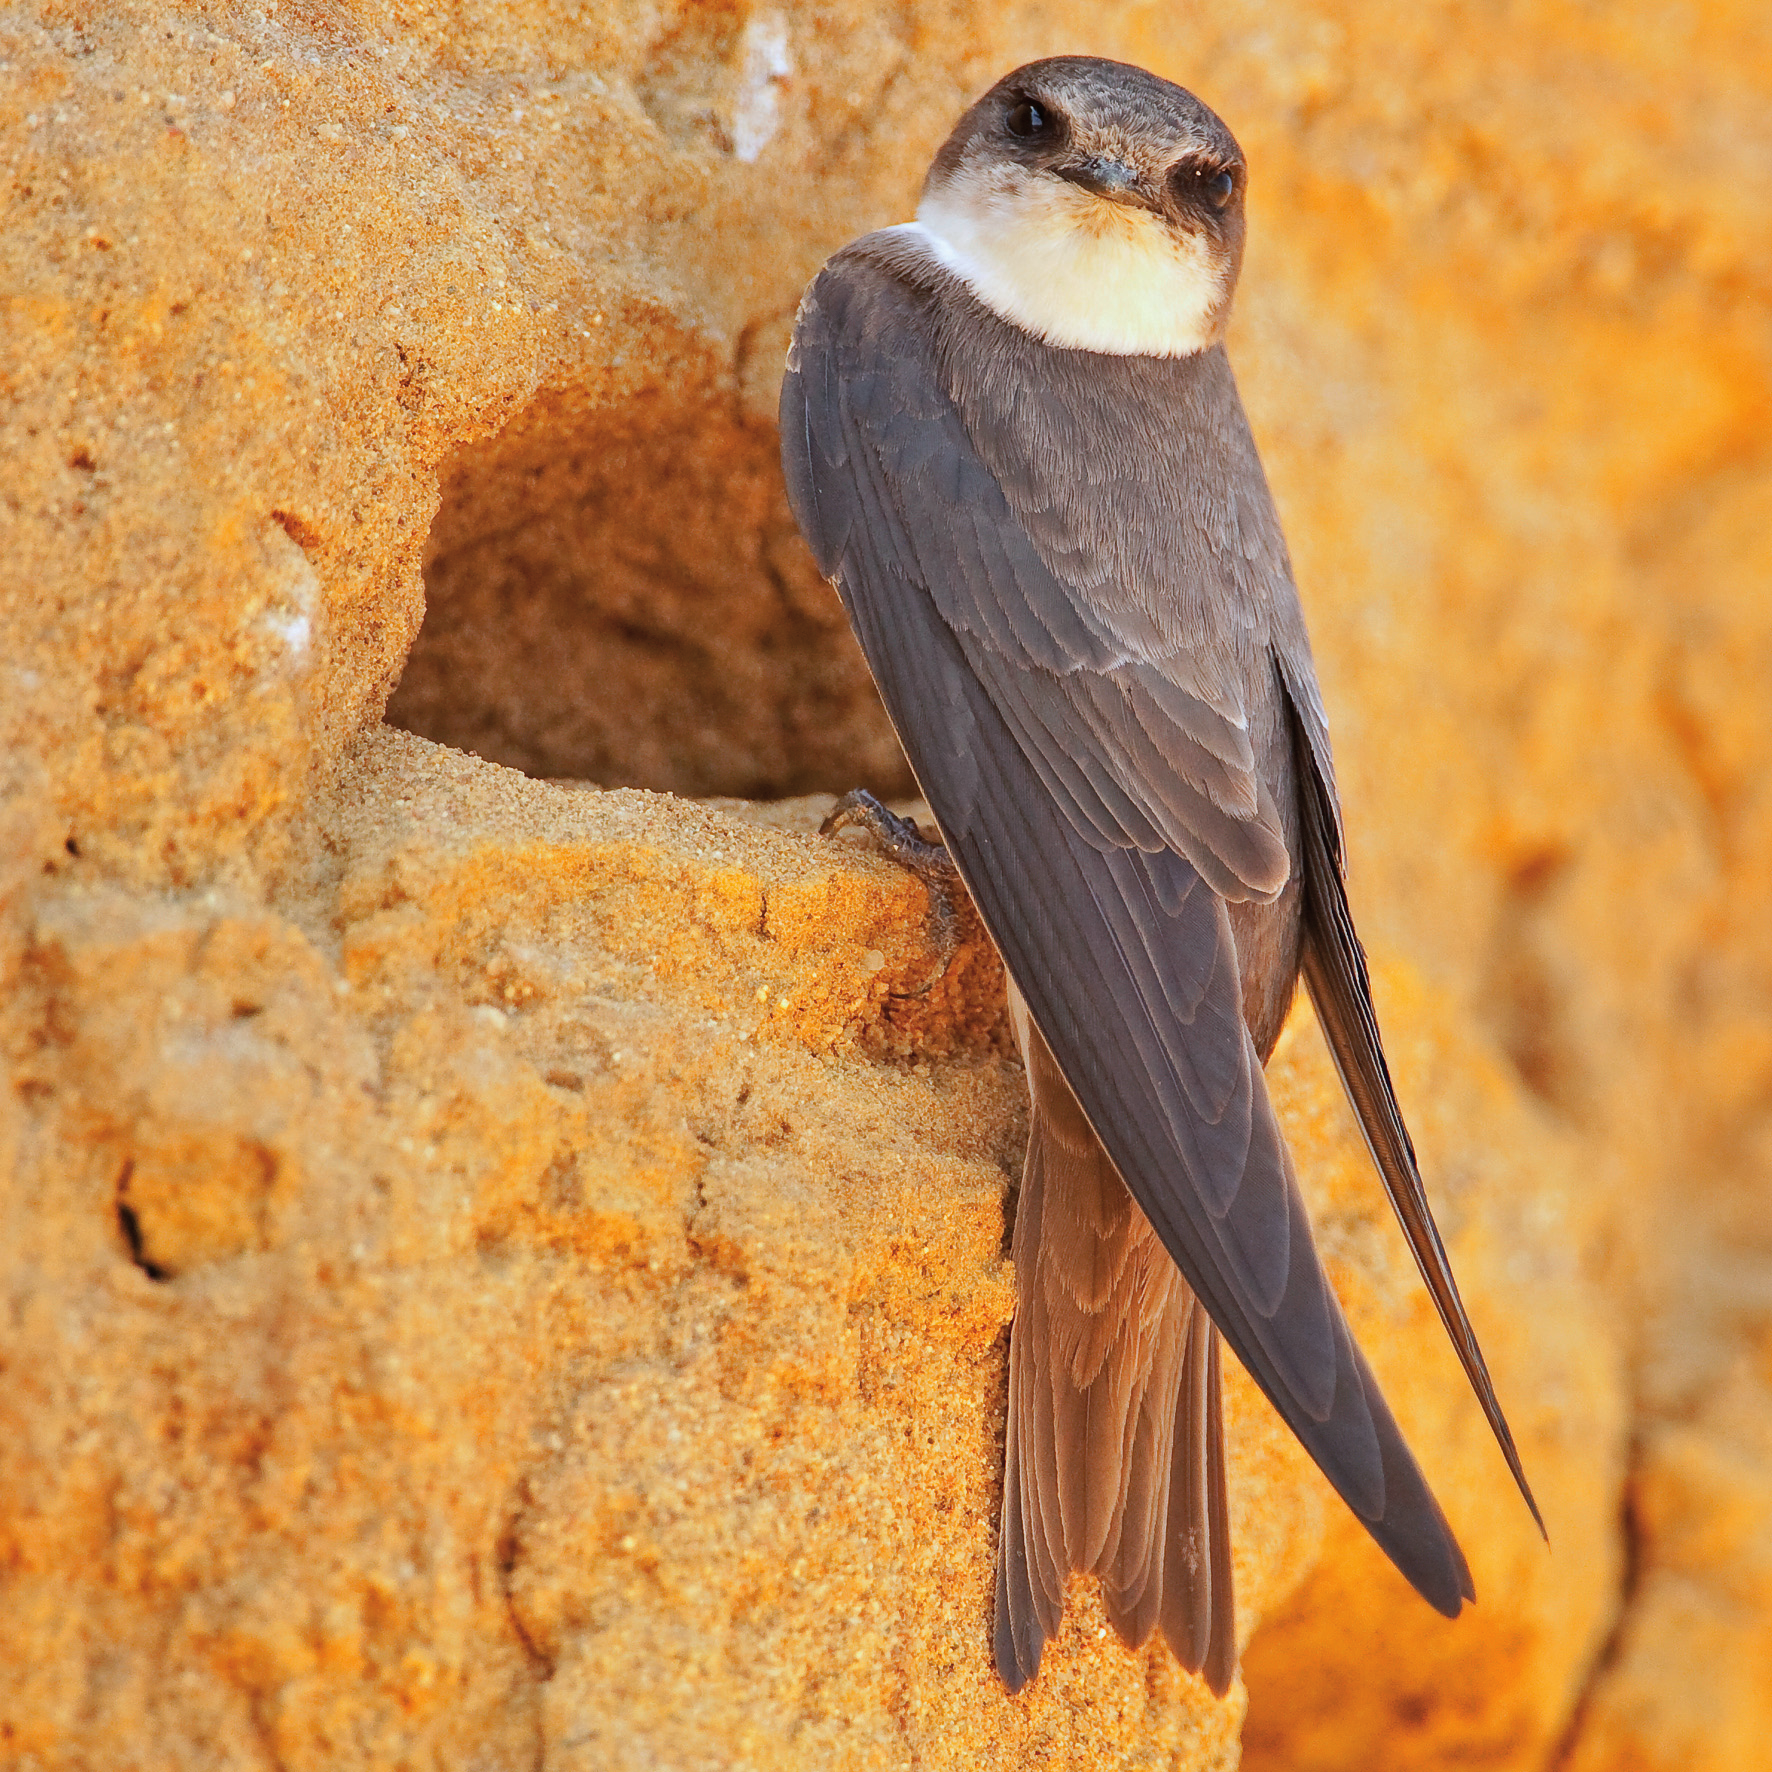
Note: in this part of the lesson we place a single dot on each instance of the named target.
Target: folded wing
(1100, 867)
(1335, 971)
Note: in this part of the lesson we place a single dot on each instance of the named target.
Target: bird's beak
(1103, 176)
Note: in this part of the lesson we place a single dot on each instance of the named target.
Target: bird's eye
(1217, 188)
(1026, 119)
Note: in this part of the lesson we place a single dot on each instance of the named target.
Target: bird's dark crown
(1114, 129)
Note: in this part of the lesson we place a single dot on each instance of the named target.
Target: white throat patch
(1073, 269)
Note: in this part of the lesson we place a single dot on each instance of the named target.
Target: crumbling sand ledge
(542, 1282)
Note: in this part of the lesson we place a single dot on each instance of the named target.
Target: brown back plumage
(1069, 580)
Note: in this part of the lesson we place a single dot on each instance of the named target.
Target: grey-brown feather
(1085, 631)
(1109, 1348)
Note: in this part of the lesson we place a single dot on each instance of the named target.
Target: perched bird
(1013, 442)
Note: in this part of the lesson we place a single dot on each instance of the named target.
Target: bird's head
(1094, 205)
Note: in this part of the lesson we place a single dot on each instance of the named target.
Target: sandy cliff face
(505, 1273)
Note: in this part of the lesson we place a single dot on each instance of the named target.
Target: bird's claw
(929, 862)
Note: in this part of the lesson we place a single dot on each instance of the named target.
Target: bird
(1013, 443)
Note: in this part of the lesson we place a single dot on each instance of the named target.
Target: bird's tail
(1114, 1457)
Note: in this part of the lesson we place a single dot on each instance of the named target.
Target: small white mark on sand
(291, 616)
(766, 63)
(295, 631)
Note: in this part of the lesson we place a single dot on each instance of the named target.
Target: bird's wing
(1140, 753)
(1125, 957)
(1335, 971)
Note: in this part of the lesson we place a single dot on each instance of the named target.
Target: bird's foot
(929, 862)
